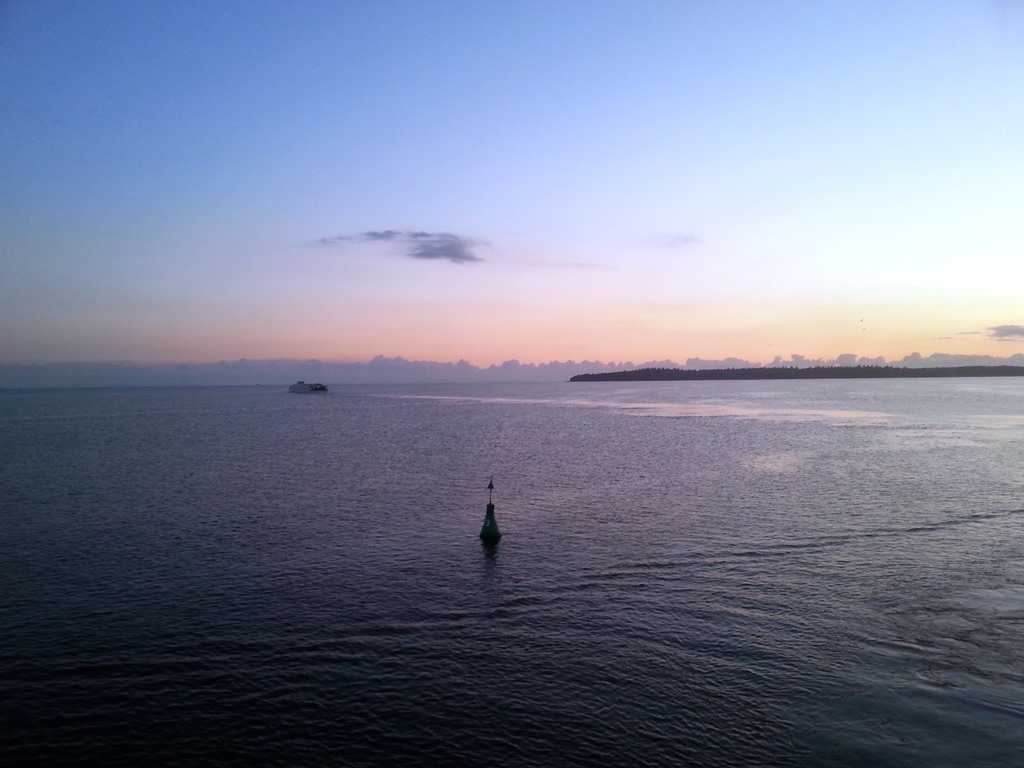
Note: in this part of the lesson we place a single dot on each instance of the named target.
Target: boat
(302, 387)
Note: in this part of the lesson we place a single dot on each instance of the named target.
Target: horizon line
(794, 359)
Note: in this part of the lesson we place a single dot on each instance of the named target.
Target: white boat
(302, 387)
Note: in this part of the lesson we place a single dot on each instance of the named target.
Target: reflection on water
(489, 551)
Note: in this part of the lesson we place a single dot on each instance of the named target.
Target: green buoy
(490, 533)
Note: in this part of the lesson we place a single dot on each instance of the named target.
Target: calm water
(725, 574)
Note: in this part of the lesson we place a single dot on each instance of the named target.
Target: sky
(492, 181)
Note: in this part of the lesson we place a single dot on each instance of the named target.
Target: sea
(763, 573)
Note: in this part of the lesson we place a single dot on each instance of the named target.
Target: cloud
(674, 242)
(1006, 332)
(417, 244)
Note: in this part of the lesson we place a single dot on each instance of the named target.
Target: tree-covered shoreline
(817, 372)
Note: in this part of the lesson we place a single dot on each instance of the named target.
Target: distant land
(399, 370)
(816, 372)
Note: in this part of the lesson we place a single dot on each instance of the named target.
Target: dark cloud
(1006, 331)
(417, 244)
